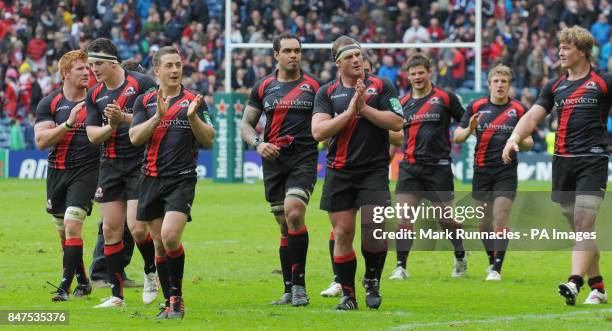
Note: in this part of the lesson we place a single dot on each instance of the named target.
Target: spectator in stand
(16, 142)
(570, 15)
(10, 93)
(536, 66)
(195, 27)
(435, 31)
(28, 131)
(5, 132)
(389, 70)
(25, 86)
(416, 33)
(37, 47)
(606, 53)
(541, 19)
(601, 30)
(496, 48)
(519, 64)
(458, 68)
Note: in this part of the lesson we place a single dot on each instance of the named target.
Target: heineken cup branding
(228, 147)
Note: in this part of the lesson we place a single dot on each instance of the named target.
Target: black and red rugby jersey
(426, 126)
(118, 146)
(172, 150)
(360, 144)
(494, 128)
(288, 108)
(582, 106)
(74, 149)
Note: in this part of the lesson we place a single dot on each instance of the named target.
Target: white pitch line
(501, 319)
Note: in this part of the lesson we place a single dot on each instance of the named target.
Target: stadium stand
(35, 34)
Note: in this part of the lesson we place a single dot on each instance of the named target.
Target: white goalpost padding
(476, 45)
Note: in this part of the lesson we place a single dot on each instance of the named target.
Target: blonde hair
(67, 61)
(501, 70)
(579, 37)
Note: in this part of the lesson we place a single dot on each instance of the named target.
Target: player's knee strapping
(58, 220)
(298, 193)
(277, 208)
(588, 203)
(75, 214)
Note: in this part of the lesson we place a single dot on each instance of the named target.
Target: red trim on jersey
(413, 130)
(92, 79)
(56, 99)
(600, 82)
(148, 96)
(347, 132)
(485, 138)
(377, 83)
(343, 143)
(64, 145)
(310, 80)
(281, 112)
(564, 120)
(478, 103)
(96, 91)
(158, 135)
(263, 85)
(444, 96)
(110, 151)
(332, 87)
(519, 107)
(604, 88)
(189, 94)
(405, 99)
(554, 87)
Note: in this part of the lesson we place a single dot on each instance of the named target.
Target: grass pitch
(231, 275)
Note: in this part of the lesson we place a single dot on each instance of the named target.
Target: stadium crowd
(34, 34)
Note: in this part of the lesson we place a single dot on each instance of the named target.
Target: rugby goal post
(476, 45)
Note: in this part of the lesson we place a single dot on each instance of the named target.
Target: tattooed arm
(247, 131)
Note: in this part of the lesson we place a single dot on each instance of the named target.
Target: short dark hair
(132, 65)
(276, 42)
(164, 51)
(104, 45)
(418, 59)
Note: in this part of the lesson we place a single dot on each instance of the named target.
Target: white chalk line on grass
(325, 310)
(501, 319)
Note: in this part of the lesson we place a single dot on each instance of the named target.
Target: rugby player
(582, 99)
(72, 168)
(109, 114)
(492, 120)
(289, 155)
(97, 269)
(335, 289)
(425, 171)
(355, 111)
(172, 121)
